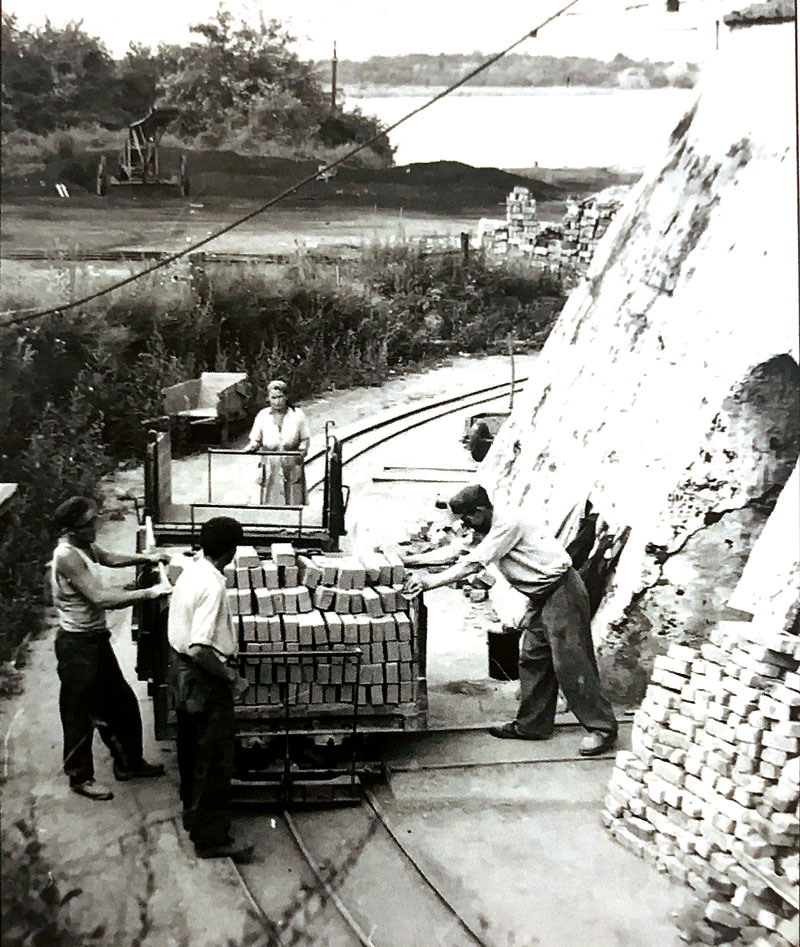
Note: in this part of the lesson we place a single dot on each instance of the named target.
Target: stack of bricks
(316, 606)
(710, 789)
(521, 218)
(584, 223)
(564, 249)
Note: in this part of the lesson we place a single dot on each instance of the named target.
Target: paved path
(126, 872)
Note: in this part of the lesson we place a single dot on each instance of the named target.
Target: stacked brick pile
(584, 224)
(565, 248)
(710, 789)
(521, 223)
(307, 604)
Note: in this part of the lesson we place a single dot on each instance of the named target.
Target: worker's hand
(157, 591)
(415, 584)
(239, 685)
(159, 555)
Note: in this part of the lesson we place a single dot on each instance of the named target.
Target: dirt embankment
(435, 187)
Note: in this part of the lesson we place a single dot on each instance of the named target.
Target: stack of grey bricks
(296, 618)
(565, 248)
(709, 790)
(584, 223)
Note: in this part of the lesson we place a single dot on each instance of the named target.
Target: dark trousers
(206, 735)
(556, 649)
(95, 695)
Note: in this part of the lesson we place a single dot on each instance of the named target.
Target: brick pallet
(709, 792)
(292, 613)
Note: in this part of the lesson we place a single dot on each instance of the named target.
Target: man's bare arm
(463, 568)
(116, 560)
(210, 660)
(443, 556)
(76, 572)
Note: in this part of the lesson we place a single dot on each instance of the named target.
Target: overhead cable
(22, 316)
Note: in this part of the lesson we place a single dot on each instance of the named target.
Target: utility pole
(334, 62)
(510, 344)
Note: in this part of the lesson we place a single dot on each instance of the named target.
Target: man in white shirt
(205, 683)
(556, 647)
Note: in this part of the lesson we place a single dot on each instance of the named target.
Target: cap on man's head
(468, 499)
(74, 513)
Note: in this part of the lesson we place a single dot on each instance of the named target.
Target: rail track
(358, 441)
(346, 877)
(359, 885)
(355, 880)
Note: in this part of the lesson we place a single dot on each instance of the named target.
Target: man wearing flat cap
(556, 646)
(94, 694)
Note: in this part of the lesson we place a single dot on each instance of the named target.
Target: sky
(641, 29)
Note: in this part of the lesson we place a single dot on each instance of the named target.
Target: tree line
(237, 80)
(516, 69)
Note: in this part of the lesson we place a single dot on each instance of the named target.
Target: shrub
(78, 387)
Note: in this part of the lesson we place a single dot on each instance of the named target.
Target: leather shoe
(510, 731)
(92, 790)
(144, 770)
(241, 854)
(595, 744)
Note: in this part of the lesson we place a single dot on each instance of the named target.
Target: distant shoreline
(421, 91)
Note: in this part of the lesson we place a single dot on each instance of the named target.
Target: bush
(77, 387)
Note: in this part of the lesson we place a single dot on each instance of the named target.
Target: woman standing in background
(281, 426)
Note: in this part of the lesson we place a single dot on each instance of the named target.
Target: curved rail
(379, 821)
(323, 891)
(395, 424)
(364, 939)
(395, 836)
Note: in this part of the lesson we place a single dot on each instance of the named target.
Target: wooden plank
(421, 478)
(442, 469)
(781, 886)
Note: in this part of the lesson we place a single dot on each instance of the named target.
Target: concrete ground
(522, 846)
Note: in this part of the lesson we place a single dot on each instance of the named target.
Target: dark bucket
(504, 654)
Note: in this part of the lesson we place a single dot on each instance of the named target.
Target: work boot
(510, 731)
(143, 770)
(92, 790)
(595, 744)
(241, 854)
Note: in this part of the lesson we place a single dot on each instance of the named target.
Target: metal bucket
(504, 654)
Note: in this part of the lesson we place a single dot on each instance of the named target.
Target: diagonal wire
(21, 316)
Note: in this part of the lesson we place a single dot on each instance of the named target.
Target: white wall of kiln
(668, 323)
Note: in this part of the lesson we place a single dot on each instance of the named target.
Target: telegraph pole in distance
(334, 62)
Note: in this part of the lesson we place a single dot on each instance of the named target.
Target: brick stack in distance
(564, 248)
(710, 789)
(316, 604)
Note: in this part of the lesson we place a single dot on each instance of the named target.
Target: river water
(520, 128)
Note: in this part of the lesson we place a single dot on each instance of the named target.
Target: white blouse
(292, 434)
